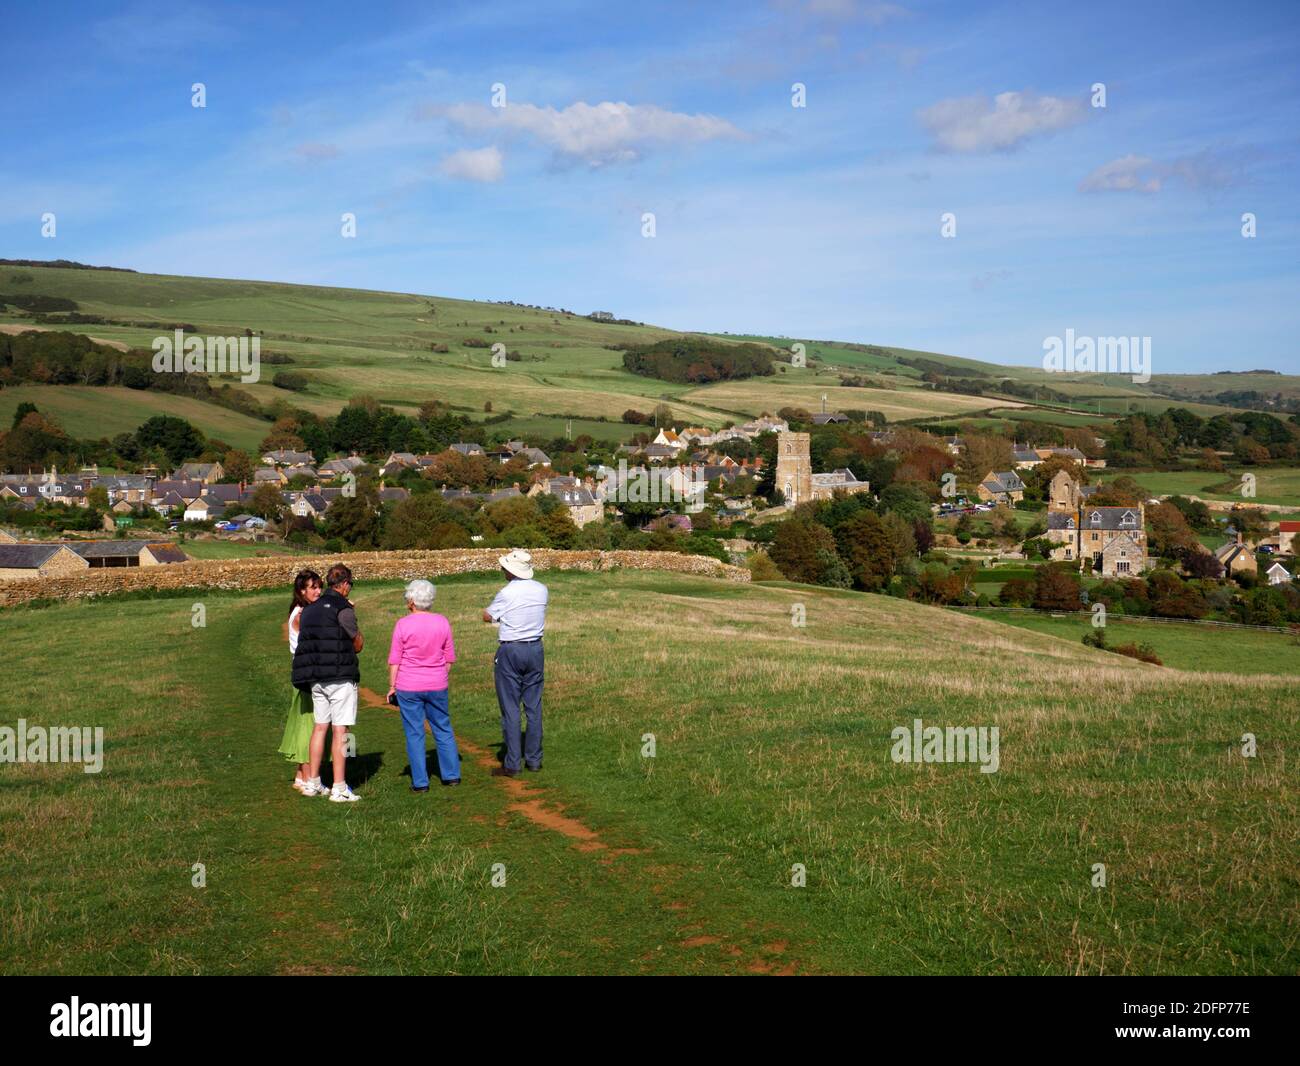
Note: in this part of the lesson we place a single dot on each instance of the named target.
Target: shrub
(291, 380)
(761, 567)
(1145, 652)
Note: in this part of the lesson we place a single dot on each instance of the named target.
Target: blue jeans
(520, 673)
(415, 708)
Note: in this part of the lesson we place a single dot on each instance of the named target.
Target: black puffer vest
(325, 653)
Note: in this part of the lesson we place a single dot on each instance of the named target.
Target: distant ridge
(60, 264)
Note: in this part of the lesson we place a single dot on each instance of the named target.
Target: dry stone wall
(278, 572)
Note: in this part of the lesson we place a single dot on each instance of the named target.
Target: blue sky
(822, 221)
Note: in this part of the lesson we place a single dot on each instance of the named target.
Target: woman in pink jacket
(418, 662)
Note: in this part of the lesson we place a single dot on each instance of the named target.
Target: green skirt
(296, 745)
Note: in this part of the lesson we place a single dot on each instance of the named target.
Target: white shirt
(519, 610)
(293, 633)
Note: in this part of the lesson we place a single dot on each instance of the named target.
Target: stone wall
(366, 566)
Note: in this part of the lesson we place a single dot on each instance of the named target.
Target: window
(1096, 518)
(1121, 568)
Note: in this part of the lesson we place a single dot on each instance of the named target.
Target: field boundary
(249, 574)
(1123, 617)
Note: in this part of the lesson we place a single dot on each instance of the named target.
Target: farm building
(24, 561)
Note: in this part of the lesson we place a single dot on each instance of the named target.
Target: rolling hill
(390, 346)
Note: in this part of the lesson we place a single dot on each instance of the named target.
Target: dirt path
(535, 806)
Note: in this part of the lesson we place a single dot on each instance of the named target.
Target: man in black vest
(326, 665)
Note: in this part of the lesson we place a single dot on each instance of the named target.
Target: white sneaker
(298, 783)
(343, 794)
(314, 788)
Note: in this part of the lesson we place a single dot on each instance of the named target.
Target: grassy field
(1185, 647)
(235, 549)
(92, 413)
(805, 388)
(773, 750)
(1273, 484)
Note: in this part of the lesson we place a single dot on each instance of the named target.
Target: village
(723, 492)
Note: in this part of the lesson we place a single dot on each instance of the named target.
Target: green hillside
(772, 752)
(347, 342)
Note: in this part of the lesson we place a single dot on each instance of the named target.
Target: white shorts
(335, 703)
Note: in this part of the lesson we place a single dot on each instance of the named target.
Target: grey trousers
(519, 671)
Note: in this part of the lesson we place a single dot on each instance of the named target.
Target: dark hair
(300, 583)
(338, 574)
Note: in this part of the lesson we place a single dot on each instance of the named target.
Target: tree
(1168, 533)
(1018, 591)
(22, 411)
(266, 502)
(426, 522)
(1056, 589)
(1172, 597)
(28, 443)
(1201, 564)
(177, 438)
(238, 466)
(355, 520)
(796, 546)
(869, 548)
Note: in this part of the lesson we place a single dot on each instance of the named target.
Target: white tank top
(293, 633)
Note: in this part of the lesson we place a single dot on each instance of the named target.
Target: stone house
(1001, 486)
(208, 473)
(577, 496)
(1111, 540)
(1237, 557)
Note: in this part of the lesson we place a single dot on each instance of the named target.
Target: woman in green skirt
(297, 729)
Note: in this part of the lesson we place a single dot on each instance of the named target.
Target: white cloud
(596, 134)
(474, 164)
(1132, 173)
(1139, 173)
(973, 124)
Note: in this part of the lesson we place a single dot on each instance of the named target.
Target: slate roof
(26, 556)
(108, 549)
(1110, 518)
(1004, 481)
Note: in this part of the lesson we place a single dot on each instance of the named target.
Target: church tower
(793, 467)
(1063, 493)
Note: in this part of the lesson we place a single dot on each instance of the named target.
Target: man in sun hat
(519, 612)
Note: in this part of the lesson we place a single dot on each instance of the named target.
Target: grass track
(772, 750)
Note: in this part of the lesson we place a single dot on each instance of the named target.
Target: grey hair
(420, 594)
